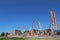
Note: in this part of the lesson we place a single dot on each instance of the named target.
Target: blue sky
(16, 13)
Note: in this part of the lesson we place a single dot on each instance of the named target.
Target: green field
(29, 38)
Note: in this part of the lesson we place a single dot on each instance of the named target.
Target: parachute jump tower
(53, 21)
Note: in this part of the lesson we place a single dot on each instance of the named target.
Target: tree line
(3, 34)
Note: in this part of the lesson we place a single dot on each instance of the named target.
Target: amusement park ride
(53, 21)
(39, 32)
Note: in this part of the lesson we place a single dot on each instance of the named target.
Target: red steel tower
(53, 20)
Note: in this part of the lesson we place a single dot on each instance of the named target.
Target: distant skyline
(16, 13)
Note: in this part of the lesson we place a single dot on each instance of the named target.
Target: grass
(29, 38)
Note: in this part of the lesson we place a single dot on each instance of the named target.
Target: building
(27, 33)
(56, 32)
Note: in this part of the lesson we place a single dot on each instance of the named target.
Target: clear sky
(16, 13)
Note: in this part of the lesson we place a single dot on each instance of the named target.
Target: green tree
(2, 34)
(6, 34)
